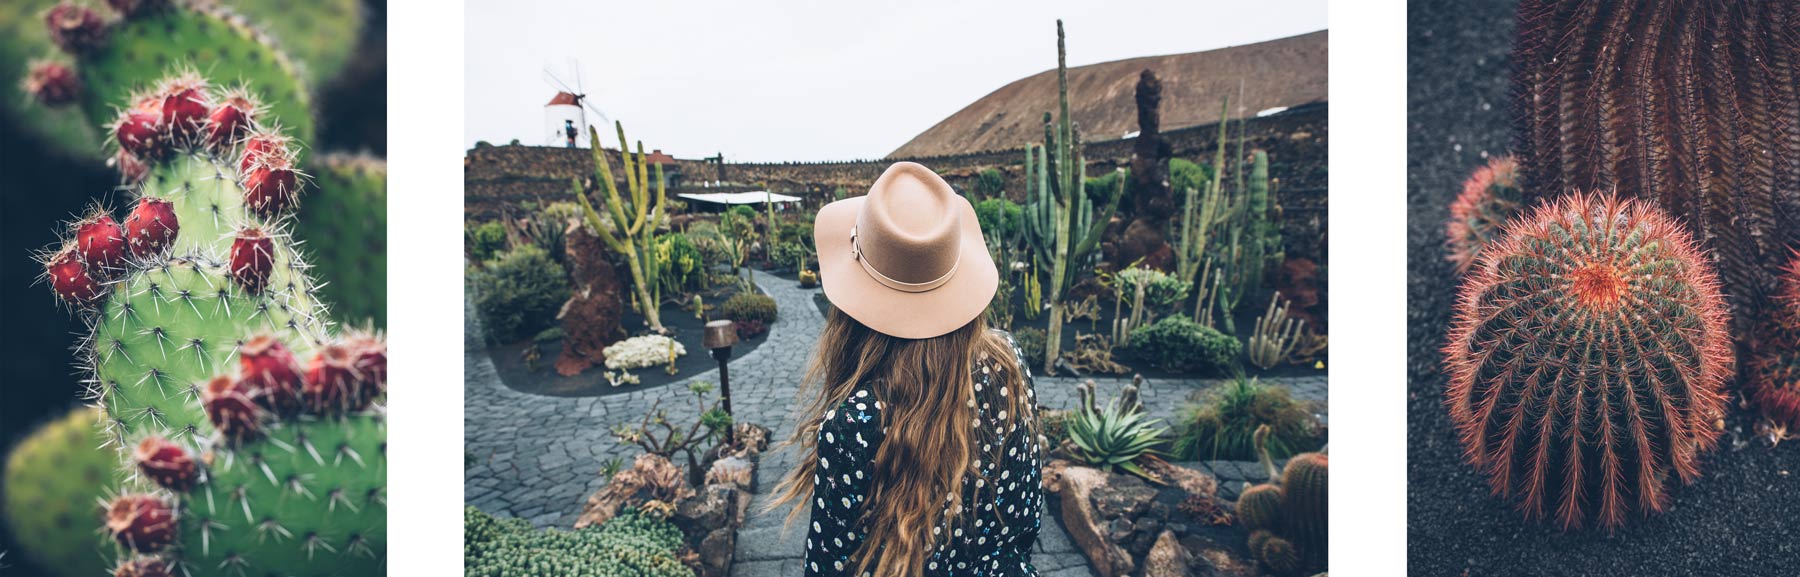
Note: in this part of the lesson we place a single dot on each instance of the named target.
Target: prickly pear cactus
(52, 479)
(350, 208)
(245, 458)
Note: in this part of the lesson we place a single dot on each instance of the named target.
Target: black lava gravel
(1741, 518)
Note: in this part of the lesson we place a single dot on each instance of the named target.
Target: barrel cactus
(1488, 199)
(1305, 509)
(1587, 359)
(1772, 375)
(254, 428)
(1692, 106)
(52, 478)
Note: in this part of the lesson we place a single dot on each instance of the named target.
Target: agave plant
(1114, 437)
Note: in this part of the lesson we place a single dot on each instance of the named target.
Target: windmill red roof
(563, 98)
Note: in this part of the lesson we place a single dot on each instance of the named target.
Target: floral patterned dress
(1000, 521)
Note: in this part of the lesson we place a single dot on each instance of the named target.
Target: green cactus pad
(343, 218)
(53, 481)
(221, 46)
(22, 38)
(320, 35)
(310, 499)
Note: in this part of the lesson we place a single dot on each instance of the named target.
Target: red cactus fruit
(74, 28)
(270, 187)
(144, 523)
(71, 280)
(269, 371)
(140, 131)
(131, 169)
(371, 364)
(232, 410)
(166, 463)
(52, 84)
(151, 228)
(143, 567)
(1773, 382)
(252, 259)
(262, 147)
(1489, 198)
(186, 106)
(1587, 360)
(333, 382)
(101, 242)
(133, 8)
(229, 120)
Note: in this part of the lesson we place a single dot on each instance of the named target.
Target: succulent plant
(1478, 216)
(52, 478)
(1305, 492)
(1690, 106)
(1259, 507)
(633, 544)
(247, 459)
(1587, 359)
(1114, 437)
(1280, 555)
(1772, 375)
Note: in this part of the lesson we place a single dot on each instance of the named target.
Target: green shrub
(1184, 175)
(791, 254)
(743, 212)
(1000, 219)
(1177, 343)
(798, 232)
(1055, 426)
(519, 293)
(630, 545)
(1222, 426)
(548, 335)
(1032, 342)
(484, 240)
(743, 307)
(683, 269)
(989, 184)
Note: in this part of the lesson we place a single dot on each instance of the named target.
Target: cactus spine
(634, 220)
(1059, 218)
(262, 467)
(1554, 388)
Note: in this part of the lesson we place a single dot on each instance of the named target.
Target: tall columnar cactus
(52, 478)
(1201, 210)
(1587, 359)
(1692, 106)
(1254, 240)
(1489, 199)
(247, 459)
(1773, 373)
(633, 219)
(1059, 218)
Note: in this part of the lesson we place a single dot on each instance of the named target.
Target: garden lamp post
(720, 336)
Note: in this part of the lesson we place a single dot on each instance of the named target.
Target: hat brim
(907, 315)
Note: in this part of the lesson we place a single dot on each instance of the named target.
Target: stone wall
(1297, 141)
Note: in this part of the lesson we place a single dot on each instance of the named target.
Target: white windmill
(568, 109)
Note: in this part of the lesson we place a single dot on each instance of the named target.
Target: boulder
(1166, 557)
(1076, 488)
(1209, 557)
(590, 318)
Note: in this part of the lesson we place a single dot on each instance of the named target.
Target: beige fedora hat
(908, 259)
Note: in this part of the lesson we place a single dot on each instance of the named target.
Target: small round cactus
(1259, 507)
(1280, 555)
(1488, 200)
(1587, 359)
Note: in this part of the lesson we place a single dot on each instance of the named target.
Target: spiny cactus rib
(1586, 361)
(1488, 200)
(1773, 373)
(259, 468)
(1694, 106)
(1305, 505)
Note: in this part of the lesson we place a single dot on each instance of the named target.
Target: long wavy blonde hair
(926, 387)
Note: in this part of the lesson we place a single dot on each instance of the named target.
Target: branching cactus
(1693, 106)
(634, 219)
(1586, 361)
(256, 436)
(1479, 214)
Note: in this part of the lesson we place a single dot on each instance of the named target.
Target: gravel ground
(1739, 519)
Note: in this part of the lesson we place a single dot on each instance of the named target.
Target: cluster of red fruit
(181, 114)
(344, 377)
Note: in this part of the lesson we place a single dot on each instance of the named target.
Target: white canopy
(755, 197)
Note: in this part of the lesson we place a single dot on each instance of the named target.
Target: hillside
(1285, 72)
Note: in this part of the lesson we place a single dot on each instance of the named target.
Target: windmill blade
(557, 83)
(604, 121)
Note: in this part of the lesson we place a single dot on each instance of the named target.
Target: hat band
(856, 250)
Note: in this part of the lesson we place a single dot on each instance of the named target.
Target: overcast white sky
(811, 80)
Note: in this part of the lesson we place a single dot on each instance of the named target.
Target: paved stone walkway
(538, 457)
